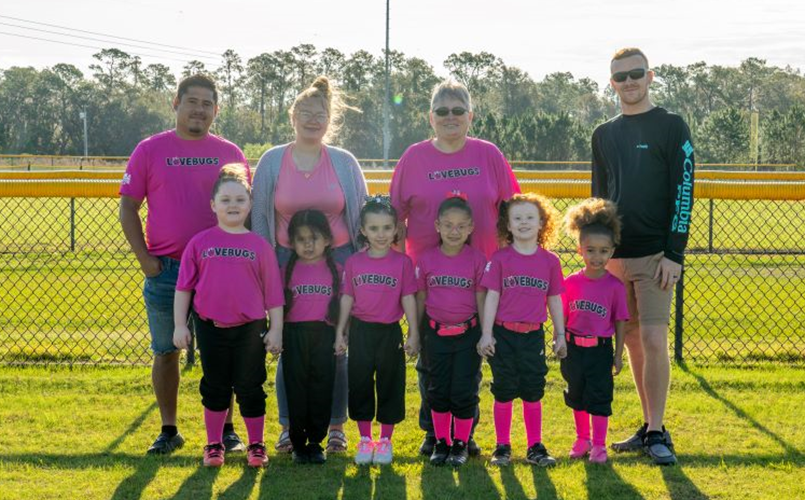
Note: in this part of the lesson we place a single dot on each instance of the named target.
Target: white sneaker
(366, 451)
(383, 453)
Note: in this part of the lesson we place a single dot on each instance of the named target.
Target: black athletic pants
(308, 365)
(588, 373)
(232, 359)
(518, 366)
(376, 350)
(452, 365)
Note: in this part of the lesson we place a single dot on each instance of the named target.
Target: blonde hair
(232, 172)
(548, 218)
(451, 88)
(333, 101)
(594, 216)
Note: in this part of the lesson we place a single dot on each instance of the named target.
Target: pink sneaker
(383, 452)
(598, 455)
(256, 455)
(214, 455)
(366, 451)
(580, 448)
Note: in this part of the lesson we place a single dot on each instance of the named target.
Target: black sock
(229, 427)
(170, 430)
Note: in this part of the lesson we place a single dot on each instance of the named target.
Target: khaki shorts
(648, 303)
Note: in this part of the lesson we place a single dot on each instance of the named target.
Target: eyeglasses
(444, 111)
(634, 74)
(306, 116)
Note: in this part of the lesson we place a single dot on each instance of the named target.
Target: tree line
(754, 112)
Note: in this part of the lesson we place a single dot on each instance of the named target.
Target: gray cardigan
(264, 184)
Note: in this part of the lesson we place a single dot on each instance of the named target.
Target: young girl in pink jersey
(449, 299)
(524, 283)
(596, 310)
(311, 311)
(232, 277)
(378, 287)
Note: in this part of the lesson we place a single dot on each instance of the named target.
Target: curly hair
(232, 172)
(548, 219)
(377, 204)
(594, 216)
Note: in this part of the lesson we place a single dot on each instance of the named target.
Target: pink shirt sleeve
(557, 284)
(420, 272)
(346, 280)
(620, 306)
(188, 269)
(135, 180)
(272, 283)
(409, 283)
(507, 181)
(399, 203)
(492, 275)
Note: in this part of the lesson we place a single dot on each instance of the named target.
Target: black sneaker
(502, 455)
(300, 455)
(657, 448)
(426, 448)
(668, 442)
(441, 450)
(538, 455)
(472, 448)
(315, 454)
(166, 444)
(633, 442)
(458, 454)
(233, 443)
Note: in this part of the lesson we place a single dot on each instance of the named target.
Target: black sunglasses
(444, 111)
(634, 74)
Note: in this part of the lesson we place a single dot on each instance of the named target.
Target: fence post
(710, 229)
(679, 315)
(72, 224)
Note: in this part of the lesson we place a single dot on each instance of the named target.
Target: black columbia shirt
(645, 164)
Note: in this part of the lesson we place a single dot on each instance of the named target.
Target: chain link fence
(71, 290)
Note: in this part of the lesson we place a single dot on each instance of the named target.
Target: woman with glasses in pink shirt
(450, 161)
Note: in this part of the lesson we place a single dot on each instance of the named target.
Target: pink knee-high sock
(254, 428)
(532, 416)
(600, 430)
(214, 422)
(441, 425)
(503, 422)
(365, 428)
(582, 419)
(463, 429)
(386, 430)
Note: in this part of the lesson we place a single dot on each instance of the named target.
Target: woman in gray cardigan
(308, 173)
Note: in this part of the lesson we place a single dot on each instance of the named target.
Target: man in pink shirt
(175, 171)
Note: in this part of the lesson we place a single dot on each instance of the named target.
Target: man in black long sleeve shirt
(643, 161)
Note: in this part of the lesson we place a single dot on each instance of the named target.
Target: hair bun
(322, 84)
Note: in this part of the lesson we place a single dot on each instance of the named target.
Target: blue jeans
(338, 414)
(158, 293)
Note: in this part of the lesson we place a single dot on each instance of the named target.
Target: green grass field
(82, 432)
(85, 306)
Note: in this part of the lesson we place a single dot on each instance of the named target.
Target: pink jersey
(311, 287)
(318, 189)
(235, 276)
(524, 282)
(425, 175)
(176, 176)
(378, 285)
(592, 306)
(451, 283)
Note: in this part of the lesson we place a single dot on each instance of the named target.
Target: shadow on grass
(790, 451)
(199, 484)
(679, 485)
(135, 424)
(242, 488)
(471, 480)
(604, 482)
(286, 480)
(144, 472)
(543, 483)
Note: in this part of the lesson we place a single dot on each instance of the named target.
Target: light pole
(83, 116)
(386, 131)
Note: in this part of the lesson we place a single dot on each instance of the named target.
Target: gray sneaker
(633, 442)
(233, 443)
(657, 448)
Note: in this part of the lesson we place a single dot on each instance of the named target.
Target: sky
(538, 36)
